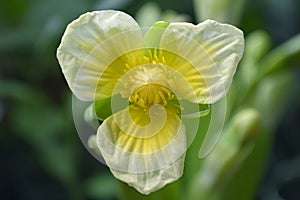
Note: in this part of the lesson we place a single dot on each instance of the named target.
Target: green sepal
(103, 108)
(106, 107)
(153, 36)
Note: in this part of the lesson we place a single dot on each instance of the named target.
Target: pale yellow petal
(212, 52)
(149, 182)
(91, 43)
(133, 141)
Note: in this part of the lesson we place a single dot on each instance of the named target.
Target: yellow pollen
(151, 94)
(149, 80)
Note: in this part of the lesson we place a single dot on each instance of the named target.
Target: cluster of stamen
(152, 56)
(151, 80)
(151, 94)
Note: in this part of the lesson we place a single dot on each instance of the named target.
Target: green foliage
(108, 189)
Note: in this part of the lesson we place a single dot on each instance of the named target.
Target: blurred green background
(41, 154)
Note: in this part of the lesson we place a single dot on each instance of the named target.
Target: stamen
(146, 59)
(156, 59)
(150, 55)
(127, 67)
(167, 91)
(163, 98)
(151, 94)
(163, 61)
(160, 53)
(156, 98)
(142, 102)
(150, 79)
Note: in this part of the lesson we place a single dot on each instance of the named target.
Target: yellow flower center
(149, 82)
(150, 76)
(151, 94)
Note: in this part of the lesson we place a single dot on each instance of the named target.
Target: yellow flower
(149, 78)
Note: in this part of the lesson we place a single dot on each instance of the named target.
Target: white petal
(133, 147)
(90, 43)
(213, 49)
(149, 182)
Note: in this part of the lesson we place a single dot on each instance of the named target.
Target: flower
(151, 80)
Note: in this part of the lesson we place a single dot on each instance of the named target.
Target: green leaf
(245, 183)
(272, 95)
(278, 58)
(233, 148)
(258, 44)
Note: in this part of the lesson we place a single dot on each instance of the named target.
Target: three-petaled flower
(105, 54)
